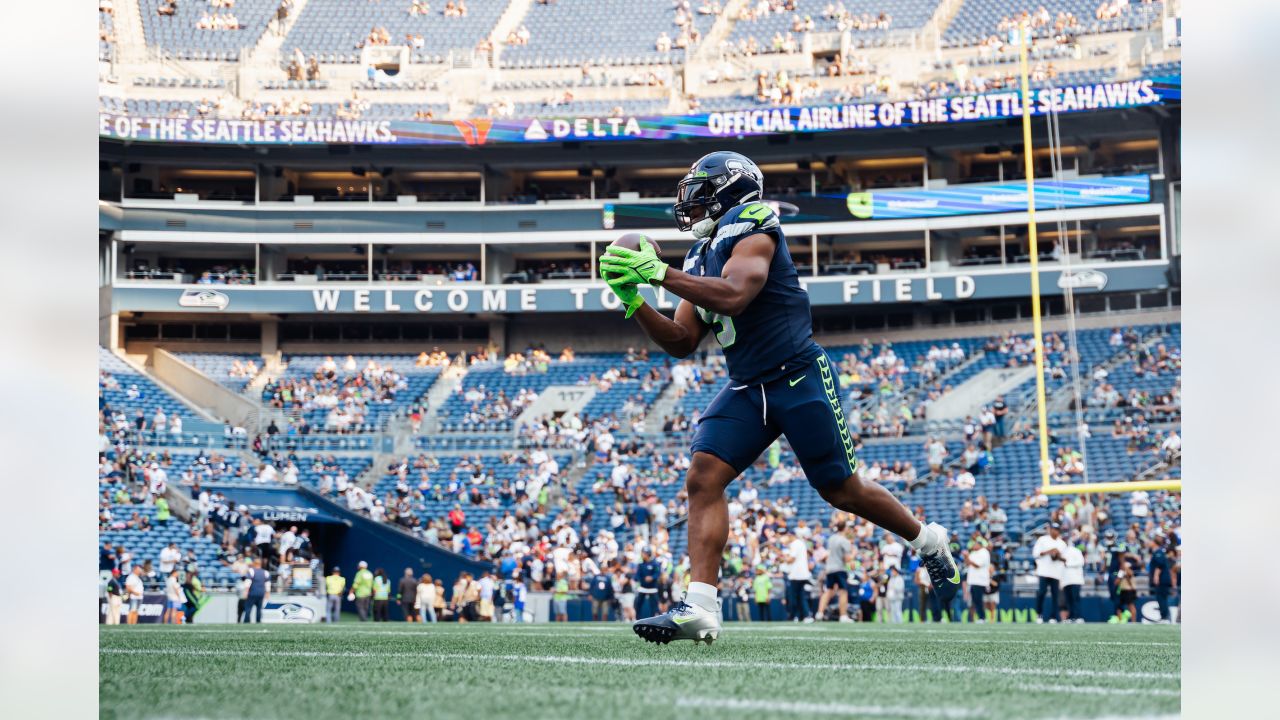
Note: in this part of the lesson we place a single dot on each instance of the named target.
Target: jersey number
(726, 334)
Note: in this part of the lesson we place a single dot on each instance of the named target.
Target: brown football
(631, 241)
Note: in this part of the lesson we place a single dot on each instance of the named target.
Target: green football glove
(641, 265)
(625, 290)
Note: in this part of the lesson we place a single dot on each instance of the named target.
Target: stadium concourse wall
(198, 388)
(344, 538)
(1095, 606)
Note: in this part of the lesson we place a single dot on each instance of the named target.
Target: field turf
(603, 672)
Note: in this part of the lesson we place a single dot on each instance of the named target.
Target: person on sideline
(173, 599)
(977, 578)
(407, 595)
(259, 591)
(762, 586)
(134, 590)
(1049, 553)
(115, 597)
(425, 602)
(1072, 580)
(895, 593)
(334, 584)
(839, 550)
(381, 595)
(362, 590)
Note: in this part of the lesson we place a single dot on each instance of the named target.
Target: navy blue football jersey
(774, 335)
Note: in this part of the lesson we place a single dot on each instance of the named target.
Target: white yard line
(815, 708)
(532, 630)
(952, 641)
(1098, 690)
(636, 662)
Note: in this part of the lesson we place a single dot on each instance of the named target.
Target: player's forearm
(670, 335)
(719, 295)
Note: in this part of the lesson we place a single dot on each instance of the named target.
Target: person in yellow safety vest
(162, 510)
(381, 595)
(334, 584)
(362, 590)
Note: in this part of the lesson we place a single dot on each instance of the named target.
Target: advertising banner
(150, 611)
(913, 203)
(275, 504)
(597, 297)
(302, 609)
(758, 120)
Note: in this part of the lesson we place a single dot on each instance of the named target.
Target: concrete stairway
(978, 390)
(131, 45)
(661, 408)
(267, 51)
(445, 385)
(509, 20)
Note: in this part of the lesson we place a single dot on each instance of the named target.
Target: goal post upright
(1024, 32)
(1048, 488)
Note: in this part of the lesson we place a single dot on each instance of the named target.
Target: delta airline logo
(474, 132)
(204, 299)
(535, 131)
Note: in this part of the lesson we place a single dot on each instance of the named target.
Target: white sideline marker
(815, 708)
(1097, 690)
(637, 662)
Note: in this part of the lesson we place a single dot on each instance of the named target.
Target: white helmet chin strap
(703, 228)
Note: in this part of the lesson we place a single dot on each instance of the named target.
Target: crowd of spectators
(687, 34)
(302, 68)
(283, 107)
(219, 16)
(344, 393)
(518, 36)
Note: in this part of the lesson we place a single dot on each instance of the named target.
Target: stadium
(378, 428)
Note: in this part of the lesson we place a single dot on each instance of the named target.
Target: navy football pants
(742, 421)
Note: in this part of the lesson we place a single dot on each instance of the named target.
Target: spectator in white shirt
(895, 591)
(286, 543)
(134, 591)
(169, 558)
(1050, 556)
(157, 479)
(267, 473)
(1072, 580)
(1140, 504)
(1171, 446)
(977, 578)
(891, 552)
(798, 576)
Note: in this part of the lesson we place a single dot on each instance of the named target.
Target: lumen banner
(597, 297)
(914, 203)
(759, 120)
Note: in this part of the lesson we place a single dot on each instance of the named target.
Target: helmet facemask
(697, 208)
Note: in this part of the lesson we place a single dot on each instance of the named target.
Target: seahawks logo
(204, 299)
(747, 169)
(293, 612)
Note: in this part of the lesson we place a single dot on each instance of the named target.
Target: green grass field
(604, 671)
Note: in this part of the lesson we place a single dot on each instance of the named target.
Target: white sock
(702, 595)
(922, 539)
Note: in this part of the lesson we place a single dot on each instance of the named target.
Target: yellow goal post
(1047, 487)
